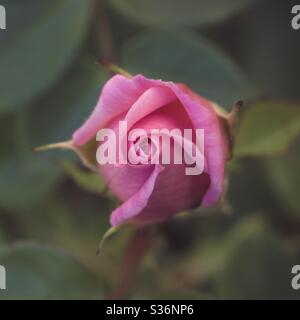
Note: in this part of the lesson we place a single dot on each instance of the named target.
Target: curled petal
(203, 116)
(118, 95)
(153, 99)
(134, 205)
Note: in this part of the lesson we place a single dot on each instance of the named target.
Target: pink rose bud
(155, 191)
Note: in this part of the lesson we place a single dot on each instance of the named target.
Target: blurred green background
(53, 212)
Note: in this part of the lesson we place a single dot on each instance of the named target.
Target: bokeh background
(53, 212)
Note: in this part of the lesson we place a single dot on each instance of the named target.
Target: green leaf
(25, 178)
(27, 181)
(67, 106)
(262, 39)
(283, 173)
(58, 114)
(178, 12)
(89, 181)
(184, 57)
(267, 128)
(7, 138)
(249, 261)
(257, 266)
(244, 192)
(38, 272)
(40, 42)
(3, 236)
(74, 221)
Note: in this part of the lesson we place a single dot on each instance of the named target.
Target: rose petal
(215, 144)
(125, 180)
(153, 99)
(118, 95)
(174, 192)
(134, 205)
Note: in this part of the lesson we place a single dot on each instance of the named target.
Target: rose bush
(153, 192)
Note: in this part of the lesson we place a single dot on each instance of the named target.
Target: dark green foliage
(56, 211)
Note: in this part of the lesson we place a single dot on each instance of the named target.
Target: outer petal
(134, 205)
(173, 192)
(203, 117)
(124, 181)
(215, 143)
(118, 95)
